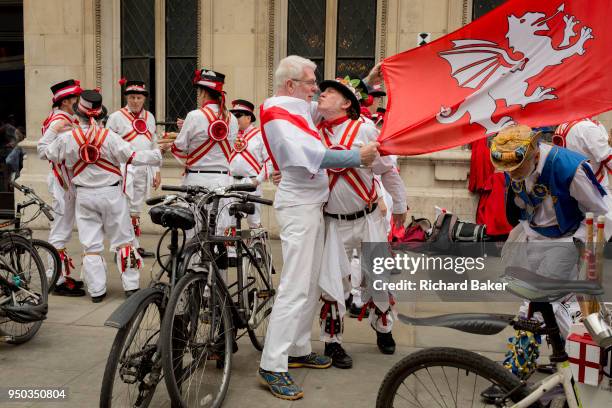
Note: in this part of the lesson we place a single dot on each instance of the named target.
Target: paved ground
(71, 350)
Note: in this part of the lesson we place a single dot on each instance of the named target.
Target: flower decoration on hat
(512, 145)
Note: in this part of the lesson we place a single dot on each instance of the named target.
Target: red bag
(414, 232)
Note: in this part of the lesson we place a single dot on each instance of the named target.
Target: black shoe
(66, 289)
(492, 394)
(355, 311)
(144, 253)
(98, 299)
(385, 342)
(77, 284)
(339, 357)
(231, 262)
(129, 293)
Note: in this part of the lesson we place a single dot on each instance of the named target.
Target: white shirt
(121, 125)
(240, 163)
(114, 149)
(297, 152)
(581, 189)
(194, 133)
(343, 199)
(48, 135)
(590, 140)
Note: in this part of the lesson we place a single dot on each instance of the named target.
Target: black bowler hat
(348, 87)
(90, 105)
(210, 79)
(134, 87)
(243, 106)
(66, 89)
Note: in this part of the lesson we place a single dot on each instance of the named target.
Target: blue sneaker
(281, 385)
(311, 360)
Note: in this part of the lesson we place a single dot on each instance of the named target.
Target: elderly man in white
(294, 146)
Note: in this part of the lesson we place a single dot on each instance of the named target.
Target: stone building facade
(162, 41)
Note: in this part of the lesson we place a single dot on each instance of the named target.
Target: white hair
(291, 67)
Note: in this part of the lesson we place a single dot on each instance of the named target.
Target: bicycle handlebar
(47, 213)
(259, 200)
(36, 200)
(155, 200)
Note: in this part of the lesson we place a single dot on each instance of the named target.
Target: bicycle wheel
(446, 377)
(51, 260)
(133, 369)
(260, 293)
(20, 264)
(197, 330)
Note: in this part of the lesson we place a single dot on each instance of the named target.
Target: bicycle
(202, 319)
(404, 385)
(49, 256)
(135, 356)
(23, 289)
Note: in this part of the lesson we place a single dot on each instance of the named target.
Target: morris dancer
(65, 95)
(548, 191)
(249, 162)
(136, 126)
(94, 155)
(352, 217)
(294, 147)
(205, 145)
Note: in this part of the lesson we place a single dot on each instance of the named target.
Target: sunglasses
(238, 115)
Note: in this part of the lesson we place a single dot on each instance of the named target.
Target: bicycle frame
(562, 376)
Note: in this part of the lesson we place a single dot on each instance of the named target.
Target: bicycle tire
(452, 358)
(39, 245)
(16, 245)
(117, 361)
(258, 335)
(178, 322)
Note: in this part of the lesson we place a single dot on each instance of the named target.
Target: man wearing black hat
(205, 143)
(136, 125)
(352, 217)
(65, 95)
(369, 103)
(94, 155)
(249, 162)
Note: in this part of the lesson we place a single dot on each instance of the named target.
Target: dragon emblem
(487, 67)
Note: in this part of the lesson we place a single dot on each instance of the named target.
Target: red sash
(204, 148)
(245, 152)
(57, 169)
(351, 176)
(96, 137)
(134, 133)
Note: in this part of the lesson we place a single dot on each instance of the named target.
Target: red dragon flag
(538, 63)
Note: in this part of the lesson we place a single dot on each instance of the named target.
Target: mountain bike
(206, 314)
(451, 377)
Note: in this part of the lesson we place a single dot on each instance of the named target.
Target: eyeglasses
(238, 115)
(309, 82)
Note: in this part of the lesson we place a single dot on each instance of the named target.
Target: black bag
(451, 236)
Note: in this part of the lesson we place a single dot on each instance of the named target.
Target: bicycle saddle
(538, 288)
(172, 217)
(475, 323)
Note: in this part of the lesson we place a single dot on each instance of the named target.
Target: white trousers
(210, 180)
(103, 212)
(302, 231)
(139, 189)
(352, 234)
(63, 218)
